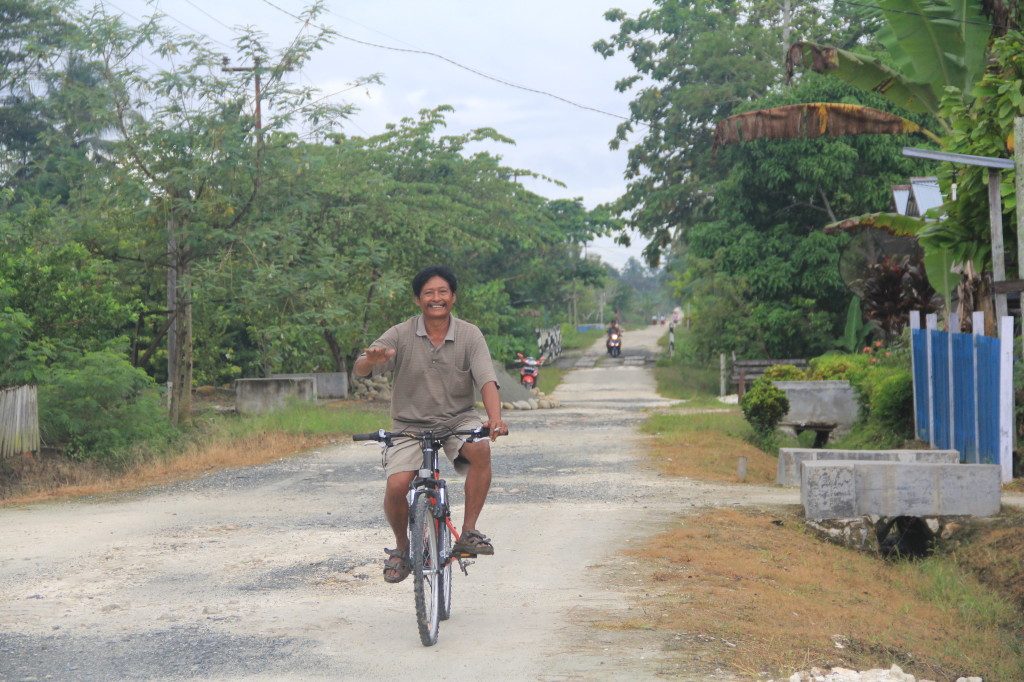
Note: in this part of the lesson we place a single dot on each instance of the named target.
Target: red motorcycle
(530, 370)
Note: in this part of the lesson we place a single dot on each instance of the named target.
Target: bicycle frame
(429, 518)
(428, 477)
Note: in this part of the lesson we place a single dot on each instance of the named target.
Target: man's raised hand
(377, 355)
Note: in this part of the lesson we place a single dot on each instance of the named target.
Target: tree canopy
(153, 209)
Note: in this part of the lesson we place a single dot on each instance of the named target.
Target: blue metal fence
(962, 397)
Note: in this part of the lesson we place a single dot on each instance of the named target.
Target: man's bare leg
(478, 481)
(396, 507)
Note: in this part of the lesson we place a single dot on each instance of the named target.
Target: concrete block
(844, 489)
(326, 386)
(820, 402)
(266, 395)
(791, 459)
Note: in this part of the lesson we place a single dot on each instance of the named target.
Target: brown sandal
(473, 542)
(397, 567)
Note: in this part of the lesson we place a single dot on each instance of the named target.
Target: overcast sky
(541, 45)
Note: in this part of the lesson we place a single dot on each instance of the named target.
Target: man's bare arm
(374, 355)
(492, 405)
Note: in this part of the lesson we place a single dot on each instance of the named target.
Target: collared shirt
(434, 385)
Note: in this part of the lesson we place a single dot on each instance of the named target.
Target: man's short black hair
(427, 273)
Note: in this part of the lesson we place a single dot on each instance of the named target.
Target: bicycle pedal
(464, 555)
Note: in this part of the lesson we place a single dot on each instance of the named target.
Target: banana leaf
(866, 73)
(811, 120)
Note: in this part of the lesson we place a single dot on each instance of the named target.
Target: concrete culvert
(904, 537)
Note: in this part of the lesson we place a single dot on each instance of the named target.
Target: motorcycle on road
(614, 344)
(530, 370)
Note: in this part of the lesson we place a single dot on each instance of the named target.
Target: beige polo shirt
(433, 386)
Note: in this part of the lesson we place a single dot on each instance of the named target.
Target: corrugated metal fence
(19, 421)
(963, 390)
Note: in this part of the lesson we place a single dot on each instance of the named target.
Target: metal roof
(926, 194)
(900, 197)
(917, 198)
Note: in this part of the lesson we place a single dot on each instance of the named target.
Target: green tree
(695, 63)
(763, 244)
(935, 52)
(192, 156)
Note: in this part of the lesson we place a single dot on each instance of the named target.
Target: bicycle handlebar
(382, 436)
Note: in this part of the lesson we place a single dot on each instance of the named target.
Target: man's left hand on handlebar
(497, 427)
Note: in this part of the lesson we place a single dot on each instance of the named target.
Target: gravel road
(274, 572)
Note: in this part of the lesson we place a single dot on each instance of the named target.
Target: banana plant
(938, 50)
(933, 44)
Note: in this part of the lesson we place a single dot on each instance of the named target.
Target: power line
(173, 18)
(461, 66)
(211, 16)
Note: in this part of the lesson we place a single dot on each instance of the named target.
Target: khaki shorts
(406, 455)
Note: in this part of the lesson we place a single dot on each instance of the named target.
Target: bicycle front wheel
(424, 551)
(445, 543)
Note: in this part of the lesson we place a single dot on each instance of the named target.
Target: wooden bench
(746, 371)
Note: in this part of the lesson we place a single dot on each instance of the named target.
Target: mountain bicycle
(430, 527)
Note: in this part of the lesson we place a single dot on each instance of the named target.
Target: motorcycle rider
(613, 329)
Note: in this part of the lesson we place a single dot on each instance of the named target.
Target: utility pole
(255, 68)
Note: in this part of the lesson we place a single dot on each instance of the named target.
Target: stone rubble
(893, 674)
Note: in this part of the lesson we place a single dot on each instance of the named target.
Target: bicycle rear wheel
(424, 551)
(445, 543)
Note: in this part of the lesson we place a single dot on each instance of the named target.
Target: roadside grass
(573, 339)
(706, 443)
(768, 598)
(550, 377)
(216, 442)
(697, 384)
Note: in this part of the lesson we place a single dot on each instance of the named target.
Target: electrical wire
(460, 66)
(175, 19)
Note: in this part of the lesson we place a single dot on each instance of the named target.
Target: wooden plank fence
(19, 421)
(963, 390)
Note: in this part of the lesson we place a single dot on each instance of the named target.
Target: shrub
(101, 409)
(835, 366)
(892, 403)
(764, 406)
(784, 373)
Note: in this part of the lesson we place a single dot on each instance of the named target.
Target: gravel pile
(893, 674)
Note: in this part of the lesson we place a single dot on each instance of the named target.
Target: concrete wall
(838, 490)
(327, 385)
(820, 402)
(264, 395)
(791, 459)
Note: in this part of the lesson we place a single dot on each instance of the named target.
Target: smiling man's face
(436, 299)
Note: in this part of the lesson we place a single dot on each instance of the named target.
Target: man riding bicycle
(436, 360)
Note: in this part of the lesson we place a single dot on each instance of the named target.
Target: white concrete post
(915, 323)
(722, 378)
(953, 327)
(1006, 397)
(931, 322)
(978, 328)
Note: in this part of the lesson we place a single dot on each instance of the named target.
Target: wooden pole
(1018, 170)
(995, 219)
